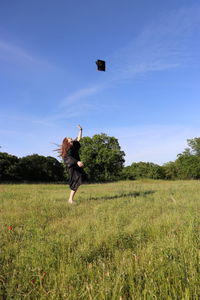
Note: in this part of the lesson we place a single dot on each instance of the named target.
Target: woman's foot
(71, 202)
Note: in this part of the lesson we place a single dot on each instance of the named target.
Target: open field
(124, 240)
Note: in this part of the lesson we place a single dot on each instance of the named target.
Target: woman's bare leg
(71, 196)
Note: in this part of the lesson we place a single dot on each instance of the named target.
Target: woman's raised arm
(80, 132)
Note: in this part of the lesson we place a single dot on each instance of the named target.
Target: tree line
(104, 161)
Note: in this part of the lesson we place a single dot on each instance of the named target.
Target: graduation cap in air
(101, 65)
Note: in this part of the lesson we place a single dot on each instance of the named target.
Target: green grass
(124, 240)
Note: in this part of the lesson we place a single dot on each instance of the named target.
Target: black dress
(75, 172)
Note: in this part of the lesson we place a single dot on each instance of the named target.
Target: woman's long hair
(62, 150)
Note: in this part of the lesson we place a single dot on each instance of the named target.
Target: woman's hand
(80, 164)
(78, 126)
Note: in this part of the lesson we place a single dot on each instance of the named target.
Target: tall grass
(125, 240)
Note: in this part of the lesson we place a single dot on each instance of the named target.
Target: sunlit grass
(124, 240)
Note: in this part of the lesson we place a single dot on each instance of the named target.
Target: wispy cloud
(82, 93)
(11, 53)
(163, 45)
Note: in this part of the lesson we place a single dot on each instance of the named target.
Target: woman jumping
(69, 151)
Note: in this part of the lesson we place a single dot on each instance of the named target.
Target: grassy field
(124, 240)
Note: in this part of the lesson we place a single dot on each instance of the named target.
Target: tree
(128, 174)
(8, 165)
(38, 168)
(102, 157)
(188, 167)
(194, 145)
(145, 170)
(155, 171)
(188, 162)
(170, 170)
(193, 149)
(55, 170)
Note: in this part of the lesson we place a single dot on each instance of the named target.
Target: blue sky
(148, 98)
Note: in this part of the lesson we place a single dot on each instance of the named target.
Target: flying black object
(101, 65)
